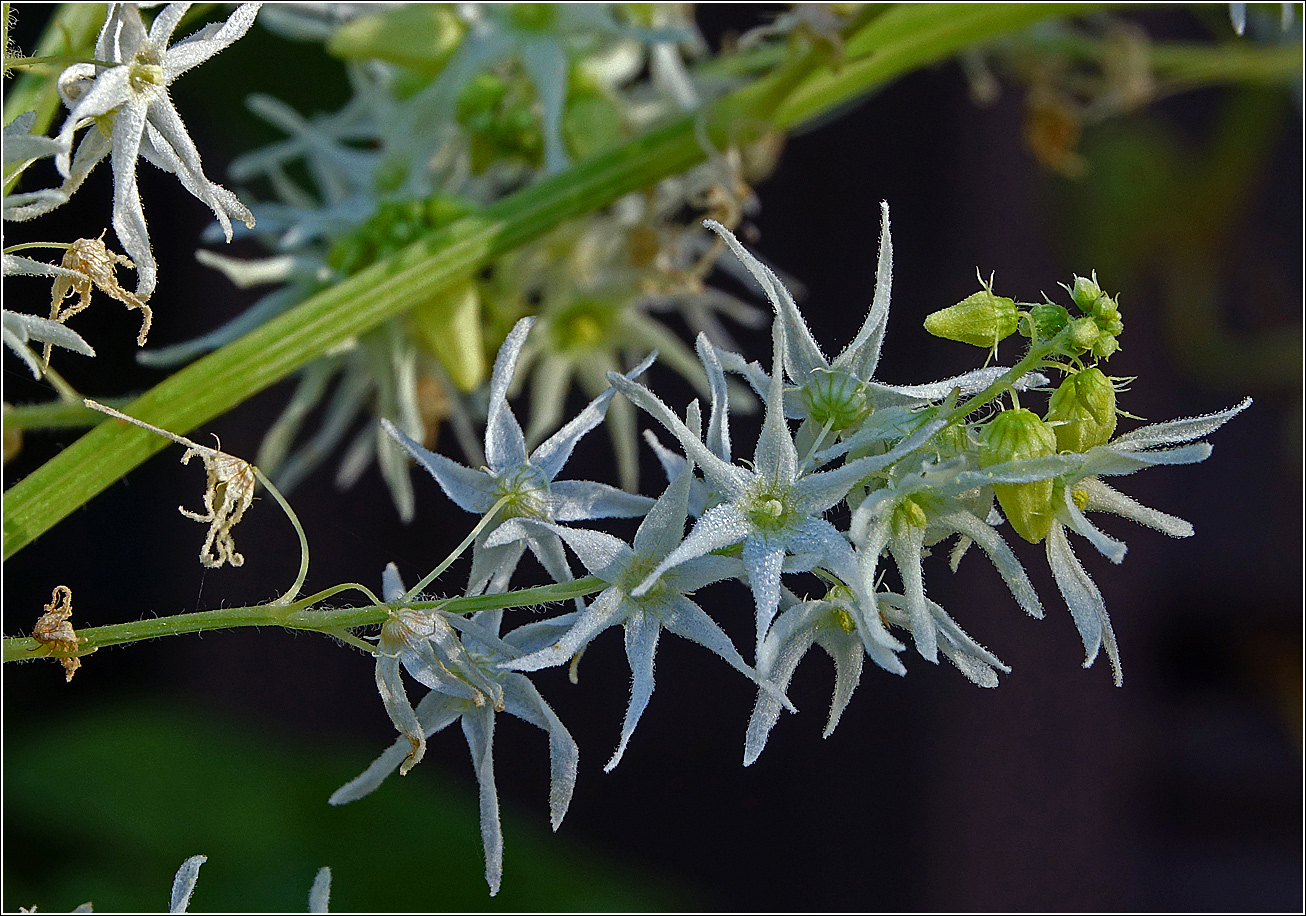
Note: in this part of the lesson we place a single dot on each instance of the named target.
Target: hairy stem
(300, 615)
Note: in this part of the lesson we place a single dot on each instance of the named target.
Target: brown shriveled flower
(55, 632)
(229, 491)
(97, 266)
(231, 487)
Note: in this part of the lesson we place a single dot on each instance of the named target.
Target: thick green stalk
(893, 43)
(296, 616)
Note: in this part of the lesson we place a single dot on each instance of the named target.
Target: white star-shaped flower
(664, 606)
(132, 114)
(527, 481)
(468, 685)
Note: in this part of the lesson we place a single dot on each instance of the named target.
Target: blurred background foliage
(1180, 791)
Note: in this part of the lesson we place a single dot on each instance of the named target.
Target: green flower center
(144, 75)
(586, 324)
(526, 490)
(770, 506)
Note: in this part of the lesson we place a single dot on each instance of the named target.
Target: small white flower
(842, 392)
(664, 606)
(528, 481)
(132, 115)
(775, 507)
(462, 677)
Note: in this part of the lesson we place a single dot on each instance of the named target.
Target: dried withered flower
(228, 493)
(96, 266)
(231, 487)
(54, 631)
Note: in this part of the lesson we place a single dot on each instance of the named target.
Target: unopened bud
(981, 320)
(1045, 320)
(1082, 411)
(1012, 435)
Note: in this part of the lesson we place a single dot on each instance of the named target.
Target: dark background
(1182, 790)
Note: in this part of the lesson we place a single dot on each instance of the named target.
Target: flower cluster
(502, 97)
(913, 465)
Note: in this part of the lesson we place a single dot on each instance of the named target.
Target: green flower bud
(1085, 293)
(1084, 334)
(450, 326)
(1104, 312)
(1082, 411)
(981, 320)
(1045, 321)
(1011, 435)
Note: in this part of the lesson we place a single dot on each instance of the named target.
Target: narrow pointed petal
(554, 452)
(578, 500)
(319, 895)
(1109, 461)
(775, 457)
(664, 525)
(1175, 431)
(1083, 599)
(607, 610)
(128, 214)
(847, 655)
(688, 621)
(862, 356)
(525, 702)
(208, 41)
(183, 884)
(781, 651)
(641, 645)
(763, 562)
(718, 424)
(478, 727)
(1103, 498)
(906, 551)
(505, 445)
(720, 526)
(1109, 547)
(1001, 555)
(724, 477)
(472, 491)
(804, 355)
(436, 712)
(389, 682)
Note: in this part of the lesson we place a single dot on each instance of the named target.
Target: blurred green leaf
(107, 806)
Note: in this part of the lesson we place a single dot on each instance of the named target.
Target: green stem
(455, 553)
(50, 60)
(293, 592)
(447, 256)
(297, 616)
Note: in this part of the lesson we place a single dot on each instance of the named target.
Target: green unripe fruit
(981, 320)
(1011, 435)
(1082, 411)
